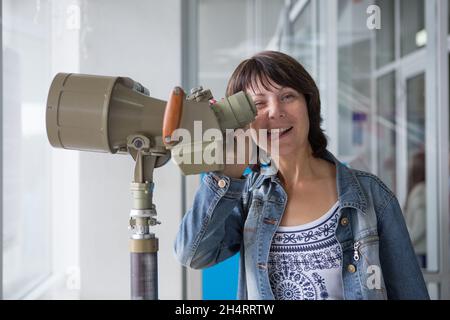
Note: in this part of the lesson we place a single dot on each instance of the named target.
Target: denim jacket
(242, 215)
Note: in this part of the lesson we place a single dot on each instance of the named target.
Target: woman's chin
(284, 151)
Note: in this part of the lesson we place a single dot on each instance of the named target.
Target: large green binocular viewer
(118, 115)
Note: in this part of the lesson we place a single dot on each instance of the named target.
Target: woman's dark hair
(271, 67)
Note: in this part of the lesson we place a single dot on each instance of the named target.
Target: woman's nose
(275, 111)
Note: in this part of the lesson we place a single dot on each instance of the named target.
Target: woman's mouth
(280, 132)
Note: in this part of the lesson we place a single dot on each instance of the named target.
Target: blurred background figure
(415, 206)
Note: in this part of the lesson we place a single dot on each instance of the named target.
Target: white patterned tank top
(305, 261)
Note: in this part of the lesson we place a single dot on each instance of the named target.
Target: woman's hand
(237, 159)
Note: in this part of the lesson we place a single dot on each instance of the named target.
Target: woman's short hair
(269, 68)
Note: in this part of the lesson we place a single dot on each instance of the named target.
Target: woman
(313, 228)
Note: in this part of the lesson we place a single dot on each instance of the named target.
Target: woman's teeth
(279, 131)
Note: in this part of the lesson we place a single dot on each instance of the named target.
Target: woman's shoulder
(373, 187)
(371, 180)
(368, 181)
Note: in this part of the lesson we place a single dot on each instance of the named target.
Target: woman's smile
(280, 133)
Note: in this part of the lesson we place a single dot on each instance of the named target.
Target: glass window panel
(416, 113)
(385, 37)
(303, 46)
(354, 85)
(271, 13)
(223, 45)
(386, 133)
(448, 11)
(415, 207)
(412, 25)
(221, 49)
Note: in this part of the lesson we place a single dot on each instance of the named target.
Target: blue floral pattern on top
(305, 261)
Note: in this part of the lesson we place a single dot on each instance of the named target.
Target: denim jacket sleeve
(211, 231)
(401, 271)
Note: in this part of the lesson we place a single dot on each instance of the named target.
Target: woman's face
(282, 110)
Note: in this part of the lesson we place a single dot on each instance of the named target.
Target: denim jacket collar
(350, 192)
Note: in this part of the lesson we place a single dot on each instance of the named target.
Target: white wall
(26, 180)
(139, 39)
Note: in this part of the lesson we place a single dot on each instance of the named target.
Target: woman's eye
(259, 104)
(287, 97)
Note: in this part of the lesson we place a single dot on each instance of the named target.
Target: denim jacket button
(344, 221)
(351, 268)
(221, 183)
